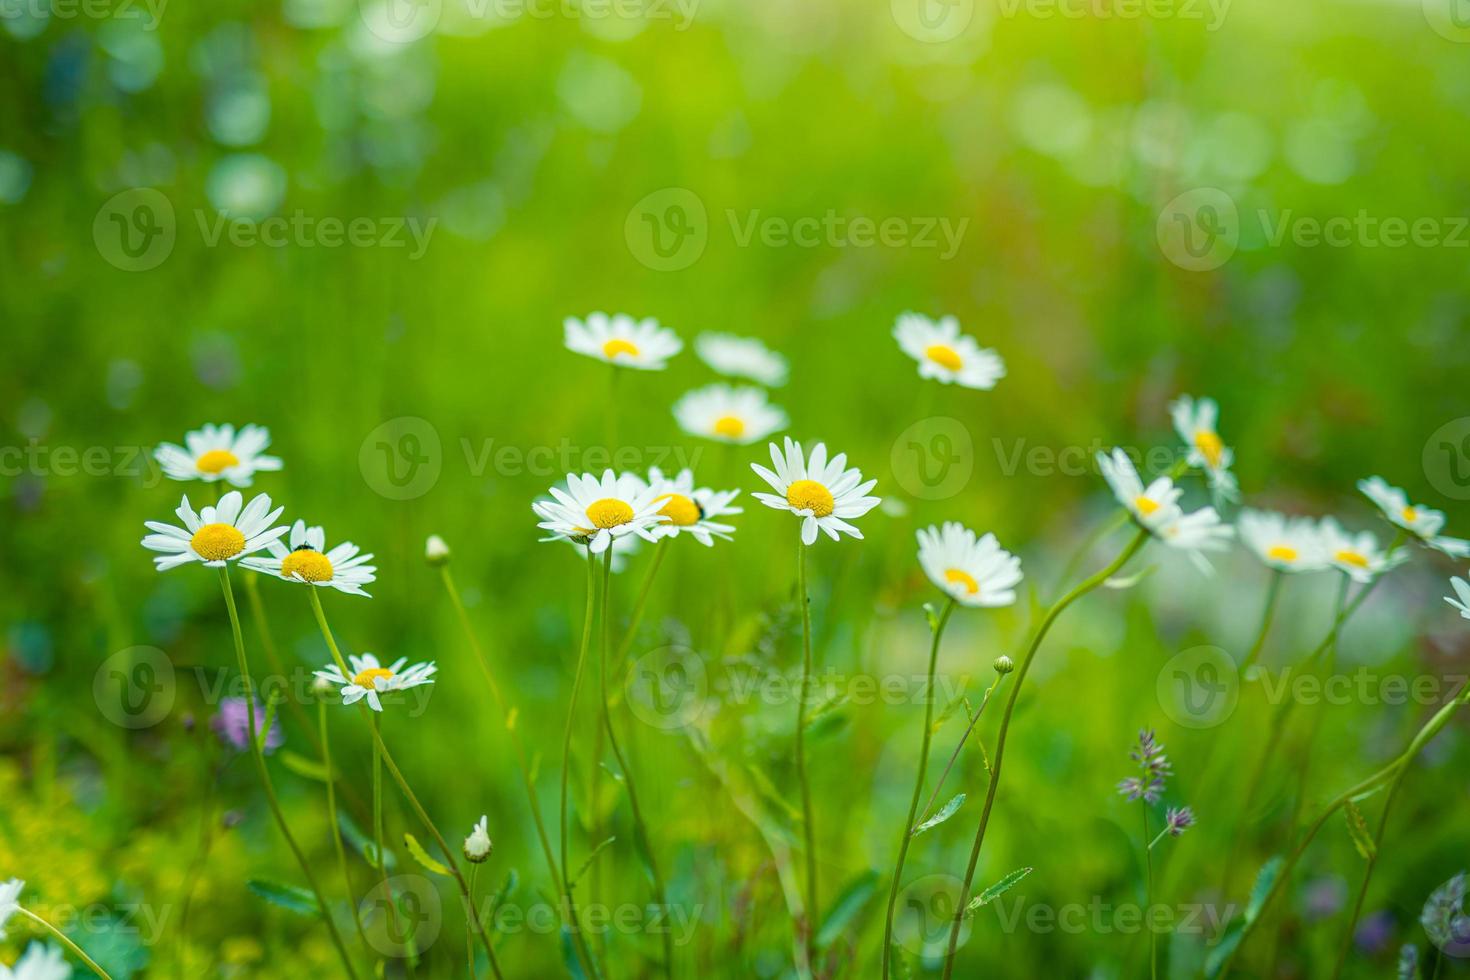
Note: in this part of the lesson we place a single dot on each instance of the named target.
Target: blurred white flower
(1154, 506)
(972, 572)
(1423, 522)
(1356, 555)
(370, 678)
(1197, 422)
(623, 341)
(218, 452)
(946, 355)
(1462, 589)
(735, 415)
(1288, 544)
(436, 550)
(741, 357)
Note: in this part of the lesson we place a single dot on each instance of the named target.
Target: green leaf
(590, 858)
(846, 907)
(932, 617)
(1129, 581)
(1265, 880)
(362, 843)
(288, 897)
(422, 856)
(945, 812)
(997, 890)
(769, 791)
(304, 767)
(1358, 830)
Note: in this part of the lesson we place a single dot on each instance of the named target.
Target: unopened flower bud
(477, 845)
(436, 550)
(1003, 665)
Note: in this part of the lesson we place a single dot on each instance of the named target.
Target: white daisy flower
(9, 901)
(41, 961)
(1462, 589)
(1197, 533)
(1154, 506)
(477, 845)
(945, 354)
(741, 357)
(308, 560)
(1197, 423)
(215, 535)
(725, 414)
(824, 494)
(594, 511)
(218, 452)
(1422, 522)
(973, 573)
(623, 341)
(1356, 555)
(1288, 544)
(689, 509)
(370, 678)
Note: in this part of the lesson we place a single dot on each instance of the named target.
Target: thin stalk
(1148, 896)
(1273, 594)
(1088, 585)
(60, 936)
(809, 834)
(1352, 924)
(272, 655)
(378, 852)
(469, 939)
(573, 923)
(964, 737)
(265, 776)
(908, 827)
(321, 713)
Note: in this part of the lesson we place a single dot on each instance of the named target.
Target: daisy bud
(1003, 665)
(477, 845)
(321, 687)
(436, 550)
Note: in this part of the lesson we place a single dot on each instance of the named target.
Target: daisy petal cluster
(1156, 509)
(622, 340)
(594, 510)
(224, 532)
(691, 510)
(218, 452)
(1288, 544)
(946, 355)
(741, 357)
(824, 493)
(1154, 770)
(1424, 523)
(9, 901)
(370, 678)
(1197, 422)
(970, 571)
(477, 845)
(1461, 599)
(720, 412)
(307, 560)
(41, 961)
(1358, 556)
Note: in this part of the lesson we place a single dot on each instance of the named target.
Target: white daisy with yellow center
(824, 493)
(689, 509)
(305, 558)
(1462, 591)
(216, 535)
(741, 357)
(1423, 522)
(1197, 422)
(1357, 556)
(622, 340)
(946, 355)
(1154, 506)
(594, 510)
(370, 679)
(726, 414)
(970, 571)
(218, 452)
(1288, 544)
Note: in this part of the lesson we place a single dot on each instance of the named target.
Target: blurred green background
(534, 149)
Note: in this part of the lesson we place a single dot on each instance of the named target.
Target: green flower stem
(1352, 924)
(321, 714)
(72, 947)
(908, 827)
(573, 922)
(1273, 595)
(265, 776)
(379, 854)
(964, 737)
(1148, 894)
(1088, 585)
(469, 939)
(640, 827)
(809, 833)
(381, 752)
(272, 655)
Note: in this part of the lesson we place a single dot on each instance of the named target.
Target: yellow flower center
(616, 346)
(730, 427)
(1210, 446)
(680, 509)
(1352, 558)
(217, 461)
(953, 575)
(944, 356)
(1283, 552)
(1411, 514)
(1146, 506)
(810, 495)
(369, 678)
(308, 563)
(216, 542)
(608, 512)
